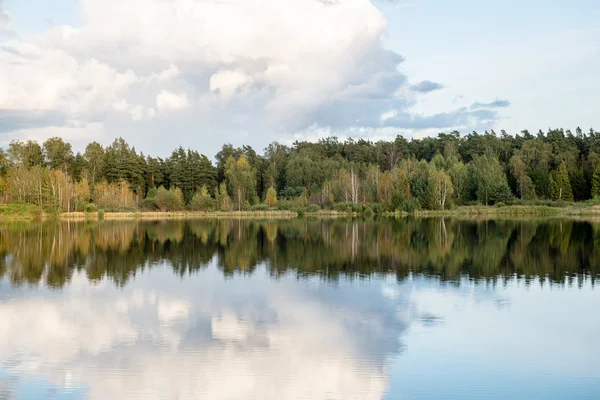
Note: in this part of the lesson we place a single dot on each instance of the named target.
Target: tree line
(430, 173)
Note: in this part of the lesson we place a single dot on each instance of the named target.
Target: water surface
(301, 309)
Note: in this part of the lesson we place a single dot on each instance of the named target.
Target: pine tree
(562, 189)
(596, 183)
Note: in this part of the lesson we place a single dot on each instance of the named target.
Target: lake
(300, 309)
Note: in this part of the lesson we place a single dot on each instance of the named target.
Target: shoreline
(27, 213)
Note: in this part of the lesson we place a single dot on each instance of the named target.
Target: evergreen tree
(596, 183)
(562, 186)
(579, 186)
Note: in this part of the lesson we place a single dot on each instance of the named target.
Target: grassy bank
(22, 212)
(574, 209)
(19, 212)
(179, 215)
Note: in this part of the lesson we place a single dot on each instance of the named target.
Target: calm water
(412, 309)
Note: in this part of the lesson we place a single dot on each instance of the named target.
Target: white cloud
(167, 101)
(77, 132)
(257, 69)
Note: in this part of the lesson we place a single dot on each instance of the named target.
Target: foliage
(560, 186)
(410, 205)
(241, 178)
(271, 197)
(489, 180)
(90, 207)
(114, 196)
(203, 201)
(259, 207)
(169, 200)
(313, 208)
(596, 183)
(223, 199)
(437, 172)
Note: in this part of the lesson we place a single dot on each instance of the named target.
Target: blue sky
(538, 58)
(33, 16)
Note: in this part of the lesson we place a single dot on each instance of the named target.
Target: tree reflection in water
(494, 250)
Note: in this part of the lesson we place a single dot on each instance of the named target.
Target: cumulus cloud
(167, 101)
(493, 104)
(426, 86)
(251, 69)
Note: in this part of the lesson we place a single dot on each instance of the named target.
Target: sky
(201, 73)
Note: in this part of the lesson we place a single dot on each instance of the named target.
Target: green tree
(596, 183)
(169, 200)
(459, 174)
(203, 201)
(441, 188)
(94, 158)
(242, 180)
(123, 163)
(562, 186)
(223, 199)
(489, 180)
(58, 153)
(579, 186)
(4, 164)
(271, 197)
(525, 185)
(27, 154)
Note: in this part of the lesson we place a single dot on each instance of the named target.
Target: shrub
(313, 208)
(290, 193)
(271, 197)
(203, 201)
(36, 212)
(101, 214)
(341, 207)
(169, 200)
(90, 207)
(223, 199)
(149, 204)
(114, 196)
(259, 207)
(80, 204)
(411, 205)
(377, 208)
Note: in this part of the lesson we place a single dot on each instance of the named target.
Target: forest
(433, 173)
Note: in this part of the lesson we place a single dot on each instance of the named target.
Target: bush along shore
(556, 171)
(551, 209)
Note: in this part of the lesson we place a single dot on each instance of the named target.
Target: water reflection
(297, 309)
(50, 253)
(205, 337)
